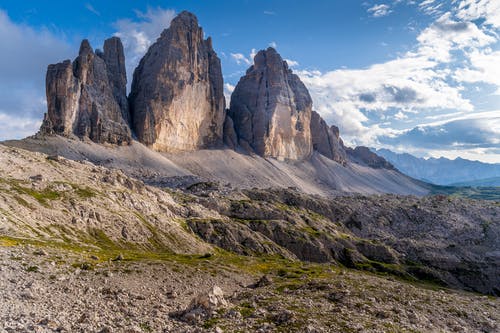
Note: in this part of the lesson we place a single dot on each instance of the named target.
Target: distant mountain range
(443, 171)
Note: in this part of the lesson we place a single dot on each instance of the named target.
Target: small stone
(40, 252)
(118, 258)
(263, 282)
(36, 178)
(55, 158)
(283, 317)
(105, 329)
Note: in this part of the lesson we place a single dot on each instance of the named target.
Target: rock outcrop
(366, 156)
(326, 140)
(177, 101)
(87, 97)
(271, 109)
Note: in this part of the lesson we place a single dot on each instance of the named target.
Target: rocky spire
(326, 140)
(177, 101)
(114, 58)
(85, 99)
(271, 109)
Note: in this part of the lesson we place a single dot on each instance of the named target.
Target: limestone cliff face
(326, 140)
(271, 109)
(87, 98)
(177, 100)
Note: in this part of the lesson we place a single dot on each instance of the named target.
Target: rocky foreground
(47, 289)
(84, 248)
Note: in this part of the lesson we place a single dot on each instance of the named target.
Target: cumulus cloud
(367, 103)
(484, 67)
(228, 90)
(379, 10)
(291, 63)
(240, 59)
(139, 33)
(489, 10)
(22, 83)
(244, 60)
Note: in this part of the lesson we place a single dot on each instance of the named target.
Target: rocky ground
(53, 290)
(85, 248)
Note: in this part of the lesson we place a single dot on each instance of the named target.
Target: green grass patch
(34, 269)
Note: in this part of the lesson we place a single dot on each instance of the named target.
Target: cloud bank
(22, 83)
(370, 105)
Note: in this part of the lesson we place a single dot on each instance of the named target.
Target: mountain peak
(271, 109)
(184, 21)
(185, 109)
(85, 47)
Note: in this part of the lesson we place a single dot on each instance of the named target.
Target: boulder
(204, 305)
(271, 109)
(177, 100)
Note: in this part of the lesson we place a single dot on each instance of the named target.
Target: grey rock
(115, 62)
(365, 156)
(326, 140)
(230, 136)
(177, 100)
(85, 98)
(204, 305)
(271, 109)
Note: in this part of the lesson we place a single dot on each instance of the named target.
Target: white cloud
(379, 10)
(273, 45)
(430, 7)
(15, 127)
(22, 80)
(228, 90)
(400, 116)
(91, 8)
(484, 67)
(253, 53)
(291, 63)
(474, 9)
(269, 12)
(138, 34)
(424, 81)
(445, 35)
(240, 59)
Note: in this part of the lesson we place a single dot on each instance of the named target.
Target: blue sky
(414, 76)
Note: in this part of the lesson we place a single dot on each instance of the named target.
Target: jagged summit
(185, 20)
(85, 47)
(86, 98)
(177, 100)
(271, 109)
